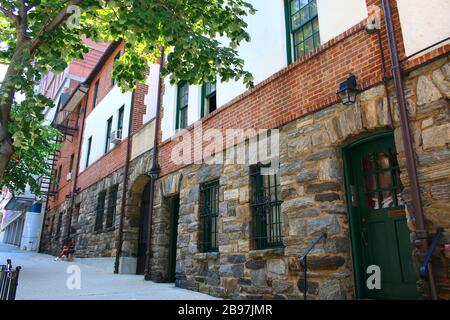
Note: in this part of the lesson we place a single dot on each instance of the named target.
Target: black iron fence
(9, 278)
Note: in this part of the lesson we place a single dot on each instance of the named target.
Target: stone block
(326, 197)
(281, 286)
(437, 136)
(332, 290)
(297, 203)
(321, 187)
(231, 270)
(307, 174)
(328, 223)
(276, 266)
(441, 83)
(329, 169)
(255, 264)
(258, 278)
(426, 91)
(231, 195)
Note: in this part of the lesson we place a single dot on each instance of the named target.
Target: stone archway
(132, 224)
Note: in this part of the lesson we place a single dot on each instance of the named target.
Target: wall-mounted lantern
(348, 90)
(154, 173)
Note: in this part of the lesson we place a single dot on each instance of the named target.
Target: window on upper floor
(182, 105)
(120, 121)
(209, 215)
(303, 27)
(267, 221)
(71, 162)
(88, 151)
(94, 100)
(100, 211)
(112, 204)
(108, 134)
(209, 98)
(113, 81)
(58, 179)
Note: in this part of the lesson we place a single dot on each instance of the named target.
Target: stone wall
(313, 199)
(90, 242)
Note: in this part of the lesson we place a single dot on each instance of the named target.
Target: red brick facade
(308, 84)
(115, 158)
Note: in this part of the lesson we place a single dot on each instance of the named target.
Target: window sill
(266, 253)
(204, 256)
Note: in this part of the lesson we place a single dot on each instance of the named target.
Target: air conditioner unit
(116, 136)
(69, 176)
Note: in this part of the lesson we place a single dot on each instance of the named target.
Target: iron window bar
(267, 210)
(424, 267)
(209, 214)
(304, 263)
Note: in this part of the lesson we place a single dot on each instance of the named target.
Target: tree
(41, 35)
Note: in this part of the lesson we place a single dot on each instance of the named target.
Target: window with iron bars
(266, 203)
(112, 204)
(209, 213)
(100, 211)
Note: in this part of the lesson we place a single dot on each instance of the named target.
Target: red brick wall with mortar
(306, 85)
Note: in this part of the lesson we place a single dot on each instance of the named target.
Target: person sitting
(71, 251)
(68, 251)
(64, 253)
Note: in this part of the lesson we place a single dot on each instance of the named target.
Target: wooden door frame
(356, 249)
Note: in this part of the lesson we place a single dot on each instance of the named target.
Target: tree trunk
(6, 150)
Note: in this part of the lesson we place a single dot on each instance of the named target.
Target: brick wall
(307, 85)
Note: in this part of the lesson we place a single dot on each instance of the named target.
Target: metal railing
(9, 279)
(424, 267)
(304, 263)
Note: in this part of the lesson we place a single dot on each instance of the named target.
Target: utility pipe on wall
(421, 233)
(125, 187)
(154, 171)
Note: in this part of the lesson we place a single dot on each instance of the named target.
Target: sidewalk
(42, 278)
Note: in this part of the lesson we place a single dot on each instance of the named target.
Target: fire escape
(67, 126)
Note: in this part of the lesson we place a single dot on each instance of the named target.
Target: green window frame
(302, 25)
(209, 98)
(94, 100)
(209, 215)
(88, 155)
(182, 105)
(113, 81)
(100, 211)
(120, 120)
(266, 204)
(112, 204)
(108, 134)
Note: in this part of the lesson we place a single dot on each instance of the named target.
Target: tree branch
(9, 14)
(62, 16)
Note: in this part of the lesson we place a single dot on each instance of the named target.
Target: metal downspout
(421, 233)
(125, 186)
(77, 169)
(155, 168)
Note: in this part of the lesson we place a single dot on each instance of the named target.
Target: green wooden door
(174, 207)
(378, 221)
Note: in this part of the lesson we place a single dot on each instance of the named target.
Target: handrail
(431, 249)
(304, 263)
